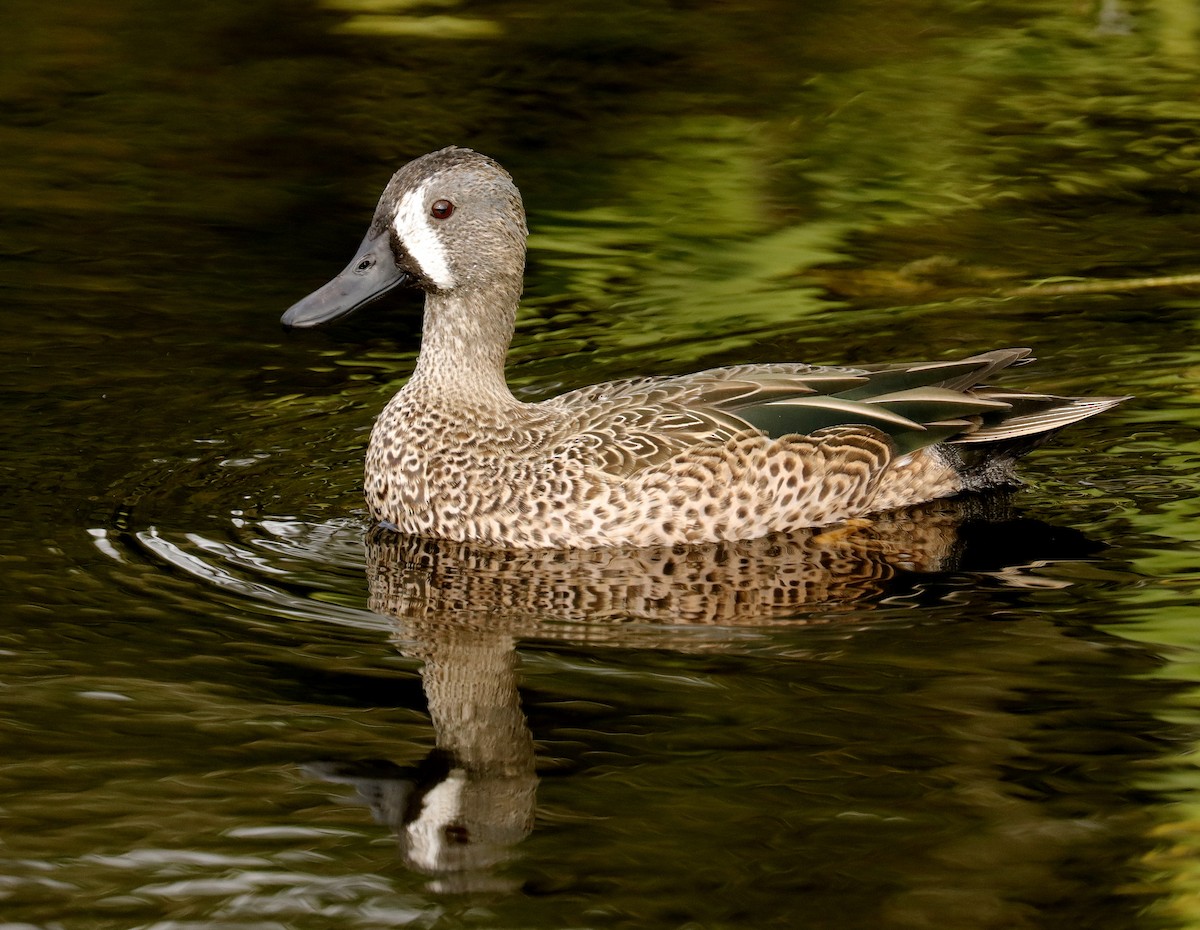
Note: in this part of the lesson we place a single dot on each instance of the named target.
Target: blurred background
(210, 684)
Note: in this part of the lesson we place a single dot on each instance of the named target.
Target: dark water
(222, 706)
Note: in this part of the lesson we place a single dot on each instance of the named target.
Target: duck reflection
(458, 814)
(426, 585)
(461, 609)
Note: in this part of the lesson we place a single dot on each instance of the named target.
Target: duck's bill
(371, 274)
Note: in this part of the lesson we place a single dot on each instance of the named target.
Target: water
(223, 705)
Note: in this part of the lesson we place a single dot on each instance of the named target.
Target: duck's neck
(465, 343)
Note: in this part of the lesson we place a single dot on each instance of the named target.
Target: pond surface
(225, 704)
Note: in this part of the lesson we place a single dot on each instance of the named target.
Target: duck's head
(450, 220)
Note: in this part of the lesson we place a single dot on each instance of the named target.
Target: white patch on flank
(415, 228)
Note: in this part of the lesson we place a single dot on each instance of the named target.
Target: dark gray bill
(371, 274)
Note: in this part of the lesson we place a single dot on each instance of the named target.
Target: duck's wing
(916, 404)
(623, 426)
(717, 386)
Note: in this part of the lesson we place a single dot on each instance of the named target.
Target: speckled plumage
(731, 453)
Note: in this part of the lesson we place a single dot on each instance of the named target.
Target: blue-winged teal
(730, 453)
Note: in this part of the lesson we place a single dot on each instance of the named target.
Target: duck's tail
(986, 454)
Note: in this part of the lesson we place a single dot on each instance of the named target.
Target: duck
(732, 453)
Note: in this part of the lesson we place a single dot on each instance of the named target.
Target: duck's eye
(441, 209)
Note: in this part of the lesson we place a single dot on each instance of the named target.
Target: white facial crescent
(414, 226)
